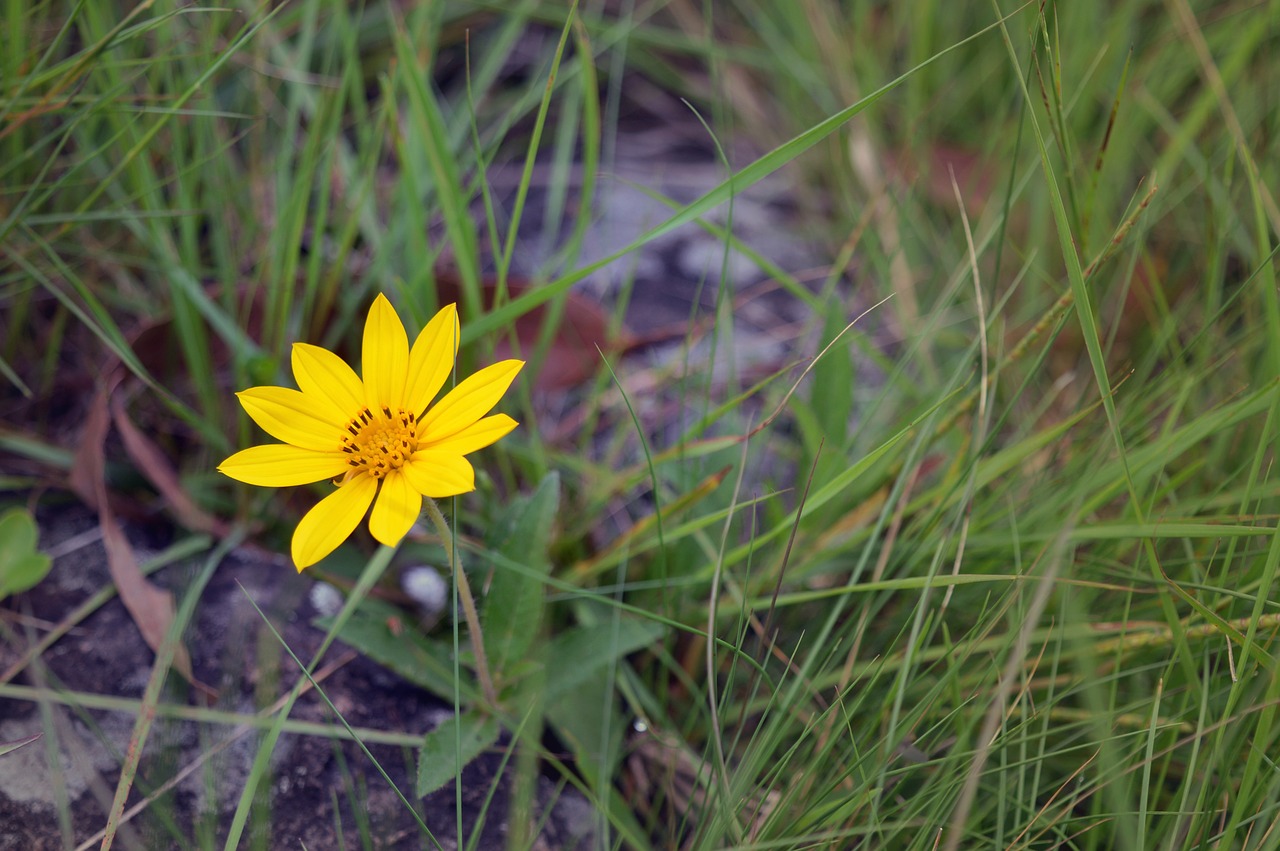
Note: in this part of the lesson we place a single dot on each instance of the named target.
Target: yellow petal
(332, 520)
(386, 357)
(478, 435)
(439, 474)
(293, 417)
(323, 375)
(468, 402)
(431, 359)
(279, 465)
(395, 509)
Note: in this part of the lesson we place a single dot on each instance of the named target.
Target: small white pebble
(427, 588)
(326, 599)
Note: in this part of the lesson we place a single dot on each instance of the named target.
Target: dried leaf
(150, 607)
(973, 173)
(574, 352)
(156, 467)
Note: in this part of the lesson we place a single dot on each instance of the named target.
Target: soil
(317, 783)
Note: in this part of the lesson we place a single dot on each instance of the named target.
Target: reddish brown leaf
(574, 353)
(973, 172)
(156, 467)
(150, 607)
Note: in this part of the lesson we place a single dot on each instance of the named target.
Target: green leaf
(579, 654)
(582, 705)
(21, 564)
(833, 384)
(447, 749)
(513, 607)
(808, 428)
(588, 720)
(431, 136)
(403, 649)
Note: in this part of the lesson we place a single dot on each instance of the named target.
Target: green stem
(468, 602)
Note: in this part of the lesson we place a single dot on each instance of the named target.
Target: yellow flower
(375, 438)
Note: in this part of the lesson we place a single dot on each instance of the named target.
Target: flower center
(380, 442)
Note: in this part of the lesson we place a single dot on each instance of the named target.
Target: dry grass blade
(10, 747)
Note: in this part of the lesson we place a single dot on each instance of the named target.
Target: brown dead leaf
(974, 173)
(574, 353)
(150, 607)
(156, 467)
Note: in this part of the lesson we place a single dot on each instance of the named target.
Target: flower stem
(469, 612)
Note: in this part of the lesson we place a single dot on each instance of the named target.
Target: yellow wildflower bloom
(374, 437)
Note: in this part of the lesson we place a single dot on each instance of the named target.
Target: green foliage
(448, 748)
(420, 659)
(513, 605)
(22, 566)
(584, 653)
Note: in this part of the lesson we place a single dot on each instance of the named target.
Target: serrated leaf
(576, 656)
(513, 606)
(21, 564)
(447, 749)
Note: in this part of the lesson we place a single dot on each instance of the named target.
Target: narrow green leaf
(831, 489)
(434, 141)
